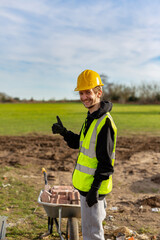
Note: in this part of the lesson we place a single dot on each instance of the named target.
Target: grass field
(25, 118)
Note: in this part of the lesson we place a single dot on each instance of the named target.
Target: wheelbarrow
(56, 212)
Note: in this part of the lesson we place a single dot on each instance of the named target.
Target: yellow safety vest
(86, 165)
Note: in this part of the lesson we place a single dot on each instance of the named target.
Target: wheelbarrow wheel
(72, 229)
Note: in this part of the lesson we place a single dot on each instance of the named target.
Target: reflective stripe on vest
(90, 171)
(85, 169)
(91, 151)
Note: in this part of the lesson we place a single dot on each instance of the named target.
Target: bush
(144, 93)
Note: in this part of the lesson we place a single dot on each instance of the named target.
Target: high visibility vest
(87, 162)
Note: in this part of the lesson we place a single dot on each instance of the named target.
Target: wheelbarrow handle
(1, 230)
(45, 175)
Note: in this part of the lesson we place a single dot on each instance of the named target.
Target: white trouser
(92, 218)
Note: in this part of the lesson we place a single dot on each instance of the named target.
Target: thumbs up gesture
(58, 127)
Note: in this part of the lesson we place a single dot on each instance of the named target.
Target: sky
(46, 44)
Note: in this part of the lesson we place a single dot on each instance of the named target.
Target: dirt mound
(151, 201)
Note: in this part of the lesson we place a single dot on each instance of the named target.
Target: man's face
(89, 98)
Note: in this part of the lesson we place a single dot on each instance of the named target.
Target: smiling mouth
(86, 102)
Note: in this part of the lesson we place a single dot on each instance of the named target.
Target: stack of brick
(61, 195)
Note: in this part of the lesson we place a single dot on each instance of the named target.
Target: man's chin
(89, 106)
(86, 105)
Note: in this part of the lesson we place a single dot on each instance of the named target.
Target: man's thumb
(59, 121)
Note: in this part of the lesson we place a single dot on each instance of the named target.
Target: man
(92, 175)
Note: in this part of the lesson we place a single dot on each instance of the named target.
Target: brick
(62, 188)
(45, 196)
(70, 196)
(63, 197)
(54, 200)
(76, 199)
(62, 201)
(62, 193)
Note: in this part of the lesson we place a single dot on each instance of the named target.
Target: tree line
(120, 93)
(144, 93)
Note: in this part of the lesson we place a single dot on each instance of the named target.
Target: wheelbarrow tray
(67, 210)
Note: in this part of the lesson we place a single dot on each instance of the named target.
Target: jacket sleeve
(104, 149)
(72, 139)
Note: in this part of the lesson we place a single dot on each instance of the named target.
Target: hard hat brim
(83, 89)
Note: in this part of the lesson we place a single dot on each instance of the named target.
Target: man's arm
(72, 139)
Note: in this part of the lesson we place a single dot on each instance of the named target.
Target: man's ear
(99, 93)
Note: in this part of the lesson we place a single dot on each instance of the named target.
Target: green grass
(25, 118)
(18, 202)
(18, 119)
(137, 119)
(145, 230)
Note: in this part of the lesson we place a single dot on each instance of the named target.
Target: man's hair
(98, 88)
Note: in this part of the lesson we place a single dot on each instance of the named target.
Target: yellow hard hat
(88, 79)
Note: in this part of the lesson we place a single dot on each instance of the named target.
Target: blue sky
(46, 44)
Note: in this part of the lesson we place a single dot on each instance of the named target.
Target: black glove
(58, 127)
(92, 196)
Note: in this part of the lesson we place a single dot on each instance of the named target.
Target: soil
(135, 199)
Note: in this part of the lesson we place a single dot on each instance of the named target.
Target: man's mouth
(86, 102)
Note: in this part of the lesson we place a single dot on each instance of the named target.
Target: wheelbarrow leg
(58, 225)
(50, 225)
(50, 228)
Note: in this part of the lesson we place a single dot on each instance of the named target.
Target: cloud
(155, 59)
(44, 42)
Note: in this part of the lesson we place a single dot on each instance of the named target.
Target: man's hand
(58, 127)
(92, 196)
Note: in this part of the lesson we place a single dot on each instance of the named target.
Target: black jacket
(105, 144)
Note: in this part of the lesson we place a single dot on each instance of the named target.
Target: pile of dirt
(136, 180)
(151, 201)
